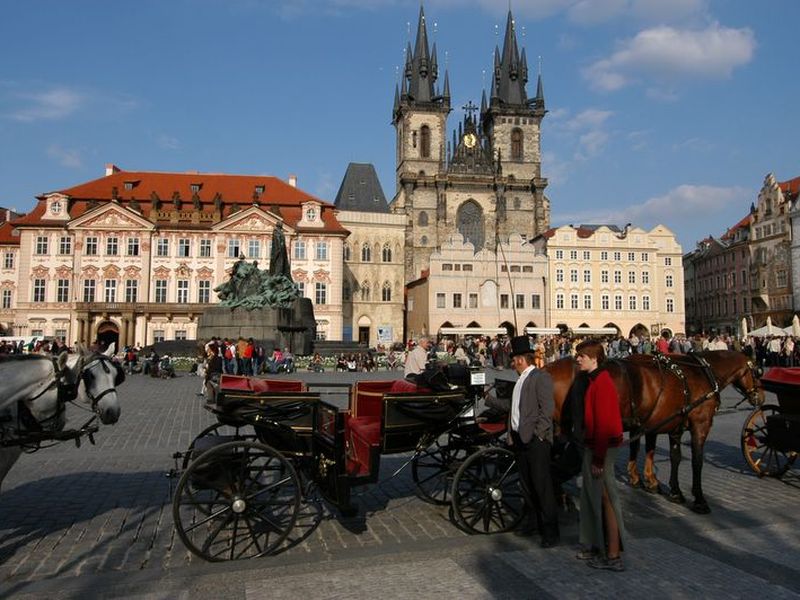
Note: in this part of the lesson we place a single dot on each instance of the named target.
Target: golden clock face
(470, 140)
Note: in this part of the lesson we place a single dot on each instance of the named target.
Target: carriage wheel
(760, 457)
(237, 500)
(487, 492)
(217, 429)
(433, 470)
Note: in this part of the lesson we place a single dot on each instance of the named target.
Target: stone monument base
(293, 327)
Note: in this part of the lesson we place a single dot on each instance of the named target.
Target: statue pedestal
(293, 327)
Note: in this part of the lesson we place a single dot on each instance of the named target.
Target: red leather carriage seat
(254, 385)
(493, 428)
(368, 398)
(363, 434)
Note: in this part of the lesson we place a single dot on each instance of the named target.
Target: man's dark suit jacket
(536, 406)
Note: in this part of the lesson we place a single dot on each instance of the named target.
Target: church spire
(423, 68)
(511, 70)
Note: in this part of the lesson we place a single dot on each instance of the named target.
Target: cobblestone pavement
(96, 521)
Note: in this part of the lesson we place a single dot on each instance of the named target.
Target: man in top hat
(531, 433)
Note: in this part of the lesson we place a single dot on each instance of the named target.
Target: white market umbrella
(796, 326)
(769, 322)
(768, 330)
(744, 328)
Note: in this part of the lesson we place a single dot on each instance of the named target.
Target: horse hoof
(701, 508)
(651, 489)
(676, 498)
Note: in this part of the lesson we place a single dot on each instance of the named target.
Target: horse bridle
(87, 377)
(751, 394)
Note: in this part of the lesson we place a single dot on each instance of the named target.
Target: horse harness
(34, 431)
(668, 365)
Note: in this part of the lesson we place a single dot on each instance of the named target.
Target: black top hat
(520, 344)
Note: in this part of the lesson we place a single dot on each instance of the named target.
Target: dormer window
(311, 214)
(128, 185)
(259, 189)
(56, 207)
(195, 187)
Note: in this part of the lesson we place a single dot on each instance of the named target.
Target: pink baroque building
(134, 256)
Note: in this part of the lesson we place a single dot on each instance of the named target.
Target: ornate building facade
(599, 276)
(482, 289)
(134, 257)
(373, 269)
(770, 252)
(486, 183)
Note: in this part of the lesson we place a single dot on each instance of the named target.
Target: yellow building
(600, 276)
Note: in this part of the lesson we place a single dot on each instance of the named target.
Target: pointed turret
(396, 106)
(446, 93)
(422, 67)
(510, 70)
(539, 101)
(483, 102)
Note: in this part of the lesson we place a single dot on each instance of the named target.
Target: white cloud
(587, 129)
(67, 157)
(667, 53)
(55, 103)
(686, 209)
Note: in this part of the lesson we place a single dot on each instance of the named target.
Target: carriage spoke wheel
(487, 492)
(217, 429)
(433, 469)
(759, 455)
(237, 500)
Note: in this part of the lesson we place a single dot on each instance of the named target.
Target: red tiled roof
(232, 189)
(745, 222)
(6, 236)
(790, 187)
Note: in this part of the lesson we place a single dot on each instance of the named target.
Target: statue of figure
(249, 287)
(279, 260)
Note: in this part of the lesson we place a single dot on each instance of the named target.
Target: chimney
(293, 180)
(111, 168)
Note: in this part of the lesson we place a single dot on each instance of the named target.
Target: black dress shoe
(549, 542)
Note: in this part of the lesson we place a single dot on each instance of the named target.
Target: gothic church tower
(486, 183)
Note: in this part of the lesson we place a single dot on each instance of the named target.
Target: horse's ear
(110, 350)
(61, 361)
(80, 349)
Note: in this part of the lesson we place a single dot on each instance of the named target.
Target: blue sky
(660, 111)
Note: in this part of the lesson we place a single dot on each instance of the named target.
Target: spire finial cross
(470, 108)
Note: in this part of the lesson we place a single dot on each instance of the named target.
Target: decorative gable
(251, 220)
(111, 216)
(205, 273)
(111, 272)
(161, 272)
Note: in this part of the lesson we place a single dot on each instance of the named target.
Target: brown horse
(669, 394)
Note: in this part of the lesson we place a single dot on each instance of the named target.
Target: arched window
(346, 252)
(422, 219)
(366, 253)
(346, 292)
(469, 221)
(516, 144)
(425, 141)
(365, 290)
(386, 292)
(386, 254)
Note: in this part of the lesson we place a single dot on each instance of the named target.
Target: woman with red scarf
(603, 437)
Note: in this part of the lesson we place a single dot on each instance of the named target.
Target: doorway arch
(108, 333)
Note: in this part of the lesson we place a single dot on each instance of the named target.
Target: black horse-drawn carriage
(243, 479)
(771, 433)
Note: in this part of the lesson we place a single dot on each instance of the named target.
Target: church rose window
(469, 221)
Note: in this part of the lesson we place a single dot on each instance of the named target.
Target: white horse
(35, 389)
